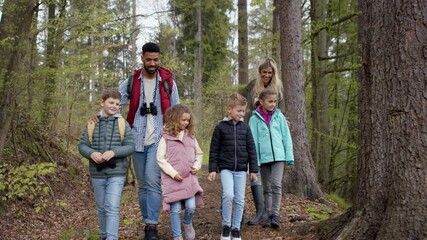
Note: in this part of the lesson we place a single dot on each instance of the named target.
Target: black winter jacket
(232, 147)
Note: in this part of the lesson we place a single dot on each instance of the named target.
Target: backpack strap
(130, 86)
(90, 128)
(167, 87)
(122, 129)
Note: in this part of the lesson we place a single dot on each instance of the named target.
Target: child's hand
(212, 176)
(108, 155)
(253, 177)
(177, 177)
(97, 157)
(193, 171)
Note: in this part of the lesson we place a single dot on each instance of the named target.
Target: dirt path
(72, 214)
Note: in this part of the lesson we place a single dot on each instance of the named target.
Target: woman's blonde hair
(173, 117)
(275, 83)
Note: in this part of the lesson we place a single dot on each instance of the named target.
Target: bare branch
(143, 15)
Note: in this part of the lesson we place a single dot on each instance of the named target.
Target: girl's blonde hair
(173, 117)
(275, 82)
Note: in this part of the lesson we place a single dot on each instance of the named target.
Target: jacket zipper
(271, 142)
(271, 139)
(235, 147)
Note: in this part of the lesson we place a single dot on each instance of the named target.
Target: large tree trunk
(320, 129)
(392, 168)
(198, 63)
(15, 25)
(275, 50)
(300, 180)
(243, 41)
(134, 34)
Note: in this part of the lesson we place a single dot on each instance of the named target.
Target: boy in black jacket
(232, 149)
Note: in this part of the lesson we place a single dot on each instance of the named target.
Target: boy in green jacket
(107, 144)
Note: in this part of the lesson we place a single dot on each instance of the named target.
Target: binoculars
(152, 109)
(110, 164)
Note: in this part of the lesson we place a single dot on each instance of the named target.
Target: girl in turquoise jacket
(273, 144)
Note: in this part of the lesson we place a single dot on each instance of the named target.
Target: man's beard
(151, 71)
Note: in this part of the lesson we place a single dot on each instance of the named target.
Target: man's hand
(212, 176)
(177, 177)
(97, 157)
(108, 155)
(94, 118)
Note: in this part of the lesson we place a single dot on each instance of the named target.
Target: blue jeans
(108, 192)
(149, 189)
(233, 190)
(190, 208)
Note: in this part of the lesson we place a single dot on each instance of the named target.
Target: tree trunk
(134, 34)
(392, 168)
(15, 25)
(49, 86)
(198, 53)
(320, 121)
(53, 48)
(301, 179)
(275, 50)
(243, 41)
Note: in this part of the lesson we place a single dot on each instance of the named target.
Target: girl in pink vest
(180, 157)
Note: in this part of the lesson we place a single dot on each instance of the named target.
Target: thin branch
(143, 15)
(343, 19)
(44, 180)
(340, 70)
(336, 57)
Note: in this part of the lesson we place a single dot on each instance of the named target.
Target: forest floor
(70, 212)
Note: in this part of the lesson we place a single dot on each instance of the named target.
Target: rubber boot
(259, 205)
(242, 223)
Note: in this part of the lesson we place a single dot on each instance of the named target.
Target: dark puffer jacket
(232, 147)
(106, 136)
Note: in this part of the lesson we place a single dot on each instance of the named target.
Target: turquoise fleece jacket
(273, 143)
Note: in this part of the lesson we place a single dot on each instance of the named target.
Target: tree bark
(243, 40)
(133, 36)
(320, 129)
(392, 183)
(301, 179)
(198, 65)
(15, 25)
(275, 50)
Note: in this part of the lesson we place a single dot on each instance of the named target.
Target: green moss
(342, 203)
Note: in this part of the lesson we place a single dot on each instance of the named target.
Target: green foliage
(25, 181)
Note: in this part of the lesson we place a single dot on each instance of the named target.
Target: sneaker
(177, 238)
(190, 234)
(225, 233)
(235, 234)
(275, 221)
(151, 232)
